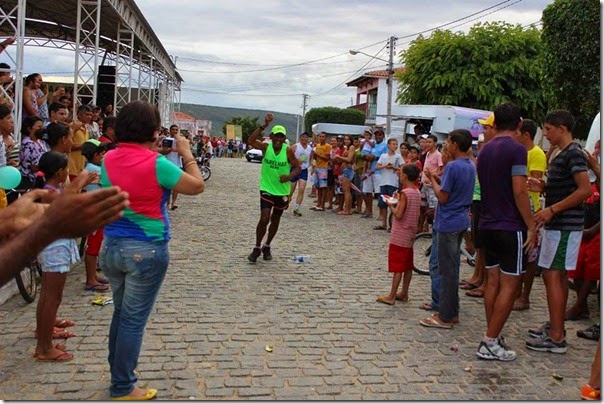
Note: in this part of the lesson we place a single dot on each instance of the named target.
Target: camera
(167, 142)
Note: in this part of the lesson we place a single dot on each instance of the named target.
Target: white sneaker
(495, 352)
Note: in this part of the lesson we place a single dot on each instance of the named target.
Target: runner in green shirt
(275, 178)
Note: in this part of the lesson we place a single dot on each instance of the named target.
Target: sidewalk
(216, 314)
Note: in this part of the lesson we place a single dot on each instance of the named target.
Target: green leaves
(333, 115)
(492, 63)
(571, 40)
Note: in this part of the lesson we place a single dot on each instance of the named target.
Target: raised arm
(253, 141)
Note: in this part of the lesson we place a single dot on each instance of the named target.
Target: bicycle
(422, 247)
(29, 279)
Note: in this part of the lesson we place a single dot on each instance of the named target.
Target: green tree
(491, 64)
(348, 116)
(248, 125)
(571, 43)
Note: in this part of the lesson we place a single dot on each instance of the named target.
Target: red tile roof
(181, 116)
(372, 75)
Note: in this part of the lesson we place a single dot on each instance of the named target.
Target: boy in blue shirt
(452, 220)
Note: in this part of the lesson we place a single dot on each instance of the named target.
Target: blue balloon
(10, 177)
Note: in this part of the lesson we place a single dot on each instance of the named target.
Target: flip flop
(59, 333)
(432, 322)
(151, 393)
(475, 293)
(427, 307)
(402, 300)
(64, 323)
(174, 207)
(380, 299)
(379, 228)
(97, 287)
(62, 357)
(468, 286)
(61, 346)
(103, 281)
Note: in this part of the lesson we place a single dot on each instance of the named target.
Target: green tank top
(273, 167)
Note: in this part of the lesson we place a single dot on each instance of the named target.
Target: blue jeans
(136, 270)
(434, 273)
(448, 264)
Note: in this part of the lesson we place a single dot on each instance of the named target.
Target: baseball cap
(278, 130)
(92, 146)
(303, 134)
(369, 131)
(379, 130)
(424, 136)
(489, 121)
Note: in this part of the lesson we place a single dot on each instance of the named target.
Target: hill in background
(220, 115)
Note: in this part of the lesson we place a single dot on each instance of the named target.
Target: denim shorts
(348, 173)
(59, 256)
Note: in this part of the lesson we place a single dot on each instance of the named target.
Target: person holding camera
(135, 251)
(168, 148)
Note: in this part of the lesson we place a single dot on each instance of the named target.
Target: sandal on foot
(428, 307)
(97, 287)
(61, 346)
(468, 286)
(433, 322)
(102, 281)
(149, 395)
(61, 357)
(382, 299)
(64, 323)
(400, 299)
(59, 333)
(475, 293)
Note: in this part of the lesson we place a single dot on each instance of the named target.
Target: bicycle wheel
(421, 253)
(206, 173)
(28, 281)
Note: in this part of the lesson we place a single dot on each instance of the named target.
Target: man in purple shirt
(506, 225)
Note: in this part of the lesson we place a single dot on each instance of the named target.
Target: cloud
(218, 43)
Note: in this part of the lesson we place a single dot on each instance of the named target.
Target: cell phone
(167, 142)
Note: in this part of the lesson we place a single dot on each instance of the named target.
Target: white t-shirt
(174, 156)
(303, 155)
(389, 177)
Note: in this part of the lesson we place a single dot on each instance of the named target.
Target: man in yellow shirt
(321, 154)
(77, 162)
(536, 166)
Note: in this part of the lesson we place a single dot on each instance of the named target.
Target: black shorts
(504, 249)
(331, 179)
(475, 233)
(268, 201)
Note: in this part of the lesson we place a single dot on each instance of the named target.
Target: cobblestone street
(216, 313)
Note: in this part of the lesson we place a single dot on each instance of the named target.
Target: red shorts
(588, 262)
(95, 239)
(400, 259)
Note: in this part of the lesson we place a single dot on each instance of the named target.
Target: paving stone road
(217, 312)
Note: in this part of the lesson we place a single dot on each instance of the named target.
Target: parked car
(254, 155)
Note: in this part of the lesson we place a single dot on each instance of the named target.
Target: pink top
(404, 229)
(433, 162)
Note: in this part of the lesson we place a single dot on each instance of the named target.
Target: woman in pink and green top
(135, 253)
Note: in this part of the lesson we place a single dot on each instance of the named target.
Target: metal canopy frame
(113, 31)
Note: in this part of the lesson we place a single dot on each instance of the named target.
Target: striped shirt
(404, 229)
(561, 183)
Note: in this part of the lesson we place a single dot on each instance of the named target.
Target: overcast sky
(238, 53)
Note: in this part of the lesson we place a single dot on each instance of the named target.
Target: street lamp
(388, 80)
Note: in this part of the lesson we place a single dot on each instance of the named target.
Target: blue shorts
(59, 256)
(348, 173)
(302, 176)
(320, 177)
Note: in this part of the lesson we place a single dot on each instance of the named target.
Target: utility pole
(305, 98)
(389, 83)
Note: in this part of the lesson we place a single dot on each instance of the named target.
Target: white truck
(437, 119)
(339, 129)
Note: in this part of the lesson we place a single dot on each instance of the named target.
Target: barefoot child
(400, 250)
